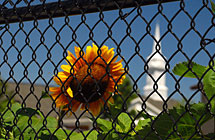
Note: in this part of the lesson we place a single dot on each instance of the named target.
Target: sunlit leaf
(209, 87)
(124, 122)
(182, 69)
(141, 124)
(45, 95)
(104, 125)
(92, 135)
(51, 122)
(11, 113)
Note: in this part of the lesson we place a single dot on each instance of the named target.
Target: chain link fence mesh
(36, 35)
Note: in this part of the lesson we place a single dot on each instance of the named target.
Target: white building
(155, 91)
(156, 83)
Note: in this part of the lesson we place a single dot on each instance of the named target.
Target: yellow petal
(117, 66)
(104, 49)
(54, 89)
(66, 68)
(88, 54)
(69, 91)
(77, 52)
(58, 80)
(61, 77)
(71, 55)
(107, 55)
(59, 98)
(79, 58)
(114, 59)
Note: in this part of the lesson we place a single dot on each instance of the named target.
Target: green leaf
(21, 125)
(92, 136)
(183, 69)
(108, 136)
(47, 137)
(3, 105)
(179, 118)
(27, 112)
(28, 125)
(10, 113)
(2, 132)
(114, 109)
(104, 125)
(141, 124)
(45, 95)
(114, 136)
(213, 6)
(51, 122)
(74, 136)
(124, 122)
(209, 87)
(60, 134)
(24, 136)
(37, 123)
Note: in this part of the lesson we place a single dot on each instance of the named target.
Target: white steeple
(156, 65)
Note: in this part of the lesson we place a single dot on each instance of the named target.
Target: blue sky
(138, 28)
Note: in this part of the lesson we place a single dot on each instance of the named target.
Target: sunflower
(88, 80)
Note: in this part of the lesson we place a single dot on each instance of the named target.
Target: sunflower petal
(117, 67)
(70, 54)
(61, 77)
(60, 98)
(95, 108)
(108, 55)
(66, 68)
(58, 80)
(54, 89)
(69, 91)
(75, 105)
(79, 58)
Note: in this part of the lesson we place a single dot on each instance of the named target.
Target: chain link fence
(107, 69)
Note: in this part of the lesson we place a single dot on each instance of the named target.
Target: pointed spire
(156, 68)
(157, 38)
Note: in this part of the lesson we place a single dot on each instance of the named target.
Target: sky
(33, 57)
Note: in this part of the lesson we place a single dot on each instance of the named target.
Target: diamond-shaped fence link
(107, 69)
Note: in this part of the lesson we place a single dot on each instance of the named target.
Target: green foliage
(183, 119)
(45, 95)
(179, 118)
(18, 122)
(207, 73)
(184, 69)
(116, 130)
(127, 94)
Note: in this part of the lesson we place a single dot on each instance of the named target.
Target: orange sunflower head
(88, 79)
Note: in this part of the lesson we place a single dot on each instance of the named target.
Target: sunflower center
(89, 87)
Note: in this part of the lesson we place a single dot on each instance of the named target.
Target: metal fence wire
(51, 89)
